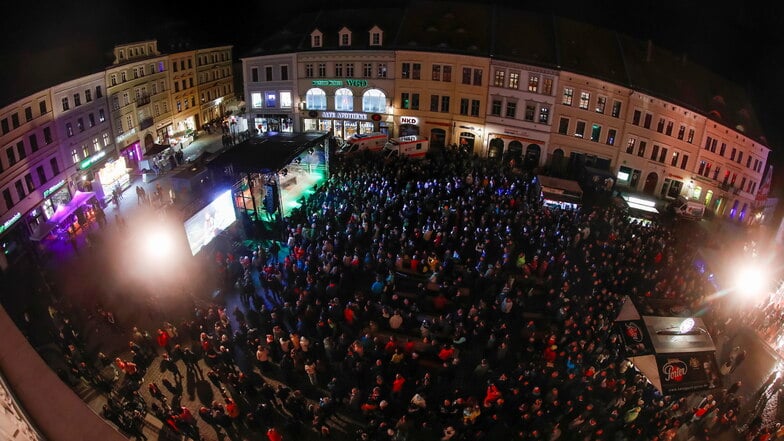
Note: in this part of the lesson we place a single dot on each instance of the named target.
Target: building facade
(271, 95)
(183, 86)
(215, 83)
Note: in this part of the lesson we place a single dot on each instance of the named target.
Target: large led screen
(210, 221)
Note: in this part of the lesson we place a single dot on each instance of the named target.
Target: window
(77, 100)
(375, 39)
(96, 145)
(499, 78)
(579, 130)
(29, 182)
(436, 72)
(345, 39)
(21, 150)
(270, 100)
(254, 74)
(174, 66)
(547, 86)
(654, 152)
(611, 137)
(42, 107)
(129, 122)
(641, 149)
(65, 104)
(636, 117)
(4, 124)
(445, 104)
(11, 155)
(674, 161)
(15, 120)
(309, 70)
(447, 74)
(9, 201)
(80, 124)
(415, 101)
(530, 111)
(601, 103)
(511, 109)
(740, 156)
(544, 114)
(405, 71)
(663, 155)
(434, 103)
(285, 100)
(101, 115)
(367, 70)
(28, 114)
(350, 70)
(113, 80)
(514, 80)
(466, 75)
(19, 189)
(495, 108)
(748, 162)
(616, 109)
(533, 83)
(568, 95)
(126, 99)
(268, 73)
(464, 106)
(596, 132)
(684, 162)
(316, 99)
(255, 100)
(98, 92)
(708, 143)
(315, 41)
(123, 77)
(69, 130)
(338, 70)
(563, 126)
(47, 135)
(585, 99)
(405, 101)
(668, 130)
(75, 156)
(681, 132)
(344, 100)
(647, 123)
(701, 169)
(382, 70)
(475, 105)
(630, 145)
(690, 139)
(322, 70)
(713, 146)
(732, 155)
(477, 77)
(41, 174)
(106, 139)
(660, 126)
(416, 71)
(33, 140)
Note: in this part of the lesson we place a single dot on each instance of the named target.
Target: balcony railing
(146, 122)
(143, 100)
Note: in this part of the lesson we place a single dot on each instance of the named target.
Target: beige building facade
(215, 84)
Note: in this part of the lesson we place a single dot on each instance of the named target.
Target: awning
(40, 232)
(64, 211)
(155, 149)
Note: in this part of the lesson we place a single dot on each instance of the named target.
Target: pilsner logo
(674, 370)
(634, 332)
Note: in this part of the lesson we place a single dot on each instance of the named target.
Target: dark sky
(743, 41)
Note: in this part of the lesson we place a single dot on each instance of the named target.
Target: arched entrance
(148, 142)
(496, 149)
(532, 155)
(650, 183)
(556, 163)
(409, 130)
(514, 152)
(438, 138)
(467, 142)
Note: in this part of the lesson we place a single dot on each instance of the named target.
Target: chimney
(649, 53)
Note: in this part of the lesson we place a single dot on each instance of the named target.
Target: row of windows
(77, 154)
(28, 112)
(341, 70)
(471, 76)
(344, 39)
(664, 126)
(137, 72)
(216, 74)
(77, 100)
(729, 179)
(30, 184)
(580, 129)
(657, 153)
(584, 102)
(18, 152)
(184, 83)
(140, 94)
(270, 100)
(511, 80)
(497, 108)
(69, 129)
(373, 100)
(181, 65)
(268, 71)
(215, 92)
(188, 103)
(735, 155)
(213, 58)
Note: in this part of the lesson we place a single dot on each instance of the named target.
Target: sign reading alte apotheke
(339, 83)
(345, 115)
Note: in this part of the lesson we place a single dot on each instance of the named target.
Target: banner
(687, 372)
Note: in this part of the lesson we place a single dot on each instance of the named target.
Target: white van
(413, 146)
(687, 209)
(373, 142)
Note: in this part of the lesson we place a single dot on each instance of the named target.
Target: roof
(666, 338)
(559, 185)
(589, 50)
(446, 27)
(513, 26)
(266, 153)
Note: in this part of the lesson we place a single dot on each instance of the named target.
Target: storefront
(113, 175)
(133, 154)
(468, 137)
(409, 126)
(277, 122)
(345, 124)
(525, 152)
(13, 234)
(56, 195)
(163, 133)
(85, 177)
(438, 132)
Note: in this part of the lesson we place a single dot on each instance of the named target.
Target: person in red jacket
(274, 435)
(163, 340)
(550, 354)
(492, 395)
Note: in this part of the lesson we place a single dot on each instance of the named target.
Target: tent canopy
(64, 211)
(267, 153)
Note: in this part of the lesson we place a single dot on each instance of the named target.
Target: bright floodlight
(686, 326)
(158, 244)
(750, 280)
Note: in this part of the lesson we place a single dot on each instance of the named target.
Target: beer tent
(676, 354)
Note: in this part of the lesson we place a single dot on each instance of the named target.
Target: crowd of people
(436, 300)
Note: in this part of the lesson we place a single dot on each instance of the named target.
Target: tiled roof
(589, 50)
(446, 27)
(523, 37)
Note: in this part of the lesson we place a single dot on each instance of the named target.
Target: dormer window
(376, 36)
(344, 36)
(316, 38)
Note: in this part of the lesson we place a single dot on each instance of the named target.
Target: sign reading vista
(344, 115)
(339, 83)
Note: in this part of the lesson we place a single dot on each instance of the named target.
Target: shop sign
(91, 160)
(7, 224)
(53, 188)
(126, 135)
(339, 83)
(409, 120)
(344, 115)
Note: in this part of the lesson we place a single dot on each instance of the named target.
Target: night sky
(743, 41)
